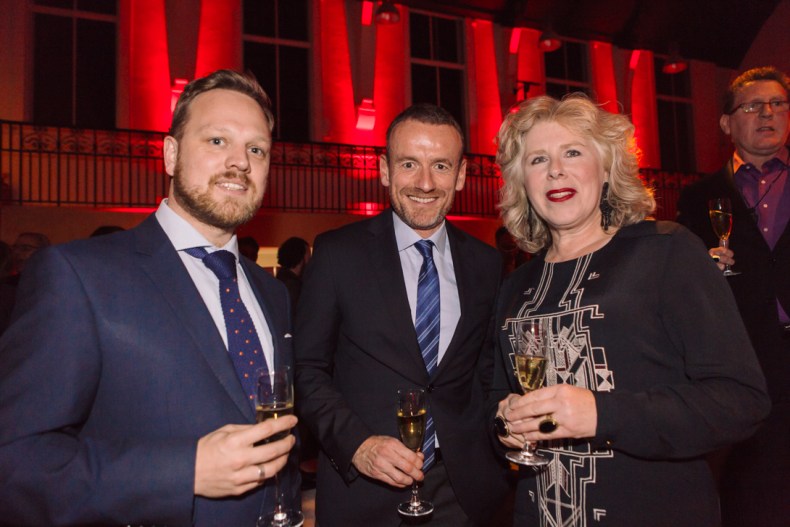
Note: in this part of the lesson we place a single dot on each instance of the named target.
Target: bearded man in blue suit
(119, 402)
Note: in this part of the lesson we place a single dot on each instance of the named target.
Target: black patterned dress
(648, 324)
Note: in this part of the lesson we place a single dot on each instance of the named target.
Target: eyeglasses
(757, 106)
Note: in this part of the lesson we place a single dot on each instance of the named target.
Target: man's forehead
(402, 135)
(763, 85)
(431, 127)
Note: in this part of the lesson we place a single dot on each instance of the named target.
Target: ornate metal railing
(123, 168)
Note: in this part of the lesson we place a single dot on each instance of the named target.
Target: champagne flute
(412, 413)
(274, 398)
(720, 212)
(532, 345)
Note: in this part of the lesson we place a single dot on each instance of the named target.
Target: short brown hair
(244, 83)
(427, 114)
(766, 73)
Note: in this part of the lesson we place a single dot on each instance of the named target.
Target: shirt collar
(405, 236)
(738, 162)
(184, 236)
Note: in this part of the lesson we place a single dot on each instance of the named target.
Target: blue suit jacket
(110, 372)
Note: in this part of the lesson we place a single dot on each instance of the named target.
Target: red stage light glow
(367, 12)
(515, 38)
(366, 115)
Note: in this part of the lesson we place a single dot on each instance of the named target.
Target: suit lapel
(277, 320)
(386, 266)
(159, 260)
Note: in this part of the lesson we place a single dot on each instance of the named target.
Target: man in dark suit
(119, 401)
(356, 344)
(755, 475)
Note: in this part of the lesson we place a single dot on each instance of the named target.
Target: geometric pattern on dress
(562, 484)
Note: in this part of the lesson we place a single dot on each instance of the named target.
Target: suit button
(429, 389)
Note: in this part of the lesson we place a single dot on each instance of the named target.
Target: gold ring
(548, 424)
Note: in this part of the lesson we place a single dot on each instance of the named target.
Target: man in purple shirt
(755, 475)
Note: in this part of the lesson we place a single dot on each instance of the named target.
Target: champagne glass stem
(724, 242)
(280, 516)
(415, 497)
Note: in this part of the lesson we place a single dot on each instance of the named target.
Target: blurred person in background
(755, 474)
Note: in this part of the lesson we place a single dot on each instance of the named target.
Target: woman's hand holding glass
(573, 408)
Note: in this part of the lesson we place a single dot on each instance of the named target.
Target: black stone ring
(548, 424)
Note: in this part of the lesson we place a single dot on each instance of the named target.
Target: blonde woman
(650, 367)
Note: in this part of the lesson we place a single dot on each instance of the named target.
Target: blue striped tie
(427, 326)
(244, 346)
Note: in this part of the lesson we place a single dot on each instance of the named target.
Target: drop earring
(529, 223)
(606, 207)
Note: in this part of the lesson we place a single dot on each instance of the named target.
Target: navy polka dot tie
(244, 346)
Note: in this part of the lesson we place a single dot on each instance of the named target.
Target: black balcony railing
(123, 168)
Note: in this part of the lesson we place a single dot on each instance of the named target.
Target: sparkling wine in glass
(720, 212)
(274, 399)
(532, 345)
(412, 413)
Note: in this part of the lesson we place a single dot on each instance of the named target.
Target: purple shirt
(767, 191)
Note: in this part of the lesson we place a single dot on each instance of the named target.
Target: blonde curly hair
(611, 134)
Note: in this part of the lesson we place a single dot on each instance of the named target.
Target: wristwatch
(500, 426)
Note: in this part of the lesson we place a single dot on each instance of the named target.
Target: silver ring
(260, 472)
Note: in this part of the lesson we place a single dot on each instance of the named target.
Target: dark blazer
(754, 477)
(109, 374)
(356, 345)
(765, 273)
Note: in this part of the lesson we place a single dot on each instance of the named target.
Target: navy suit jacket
(111, 370)
(356, 345)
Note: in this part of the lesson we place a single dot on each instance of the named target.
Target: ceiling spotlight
(674, 63)
(549, 41)
(387, 13)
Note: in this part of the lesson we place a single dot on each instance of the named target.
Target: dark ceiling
(719, 31)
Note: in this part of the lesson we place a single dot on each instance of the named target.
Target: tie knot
(222, 263)
(426, 249)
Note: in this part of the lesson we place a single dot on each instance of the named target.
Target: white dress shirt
(183, 236)
(411, 261)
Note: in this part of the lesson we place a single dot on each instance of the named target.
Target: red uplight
(366, 115)
(367, 12)
(366, 208)
(176, 91)
(675, 66)
(549, 41)
(515, 39)
(634, 59)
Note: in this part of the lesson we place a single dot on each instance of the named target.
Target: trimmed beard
(226, 214)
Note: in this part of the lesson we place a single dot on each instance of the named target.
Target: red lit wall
(486, 113)
(389, 95)
(219, 36)
(337, 93)
(144, 35)
(644, 112)
(603, 75)
(530, 63)
(711, 147)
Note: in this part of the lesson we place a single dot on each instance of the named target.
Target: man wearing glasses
(754, 475)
